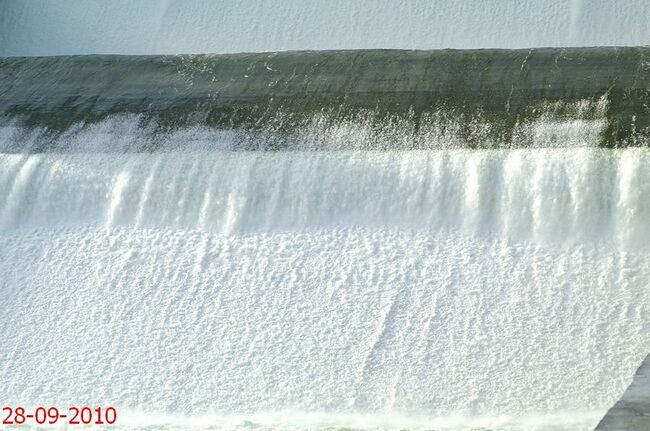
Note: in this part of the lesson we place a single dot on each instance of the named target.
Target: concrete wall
(632, 411)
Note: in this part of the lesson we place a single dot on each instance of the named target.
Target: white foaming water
(544, 195)
(359, 324)
(442, 289)
(438, 130)
(292, 420)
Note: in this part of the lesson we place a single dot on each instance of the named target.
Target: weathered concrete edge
(285, 91)
(632, 411)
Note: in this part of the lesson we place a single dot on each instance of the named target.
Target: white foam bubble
(368, 324)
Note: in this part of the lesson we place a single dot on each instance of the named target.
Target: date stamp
(54, 415)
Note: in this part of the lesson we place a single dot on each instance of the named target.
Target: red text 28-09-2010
(53, 415)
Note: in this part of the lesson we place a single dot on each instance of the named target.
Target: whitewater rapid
(454, 289)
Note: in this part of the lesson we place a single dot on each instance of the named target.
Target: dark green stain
(280, 92)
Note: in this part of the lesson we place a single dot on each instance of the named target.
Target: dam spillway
(362, 239)
(486, 98)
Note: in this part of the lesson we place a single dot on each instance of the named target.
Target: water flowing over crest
(369, 239)
(378, 99)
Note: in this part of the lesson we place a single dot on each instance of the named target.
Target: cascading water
(540, 195)
(339, 263)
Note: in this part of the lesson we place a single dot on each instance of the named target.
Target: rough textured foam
(346, 320)
(426, 290)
